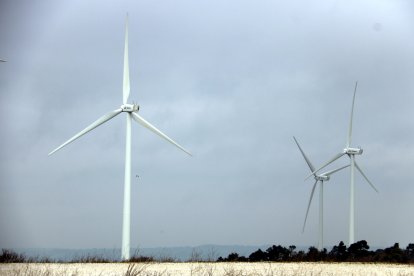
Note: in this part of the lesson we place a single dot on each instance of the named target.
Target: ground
(205, 269)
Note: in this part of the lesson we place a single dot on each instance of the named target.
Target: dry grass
(204, 269)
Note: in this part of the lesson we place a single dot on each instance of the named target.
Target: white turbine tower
(318, 177)
(131, 110)
(351, 152)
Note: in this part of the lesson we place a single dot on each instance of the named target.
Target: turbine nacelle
(322, 177)
(353, 151)
(129, 107)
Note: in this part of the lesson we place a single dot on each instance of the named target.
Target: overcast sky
(232, 81)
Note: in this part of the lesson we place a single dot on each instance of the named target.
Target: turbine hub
(353, 151)
(129, 107)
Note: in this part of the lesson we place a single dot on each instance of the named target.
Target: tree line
(356, 252)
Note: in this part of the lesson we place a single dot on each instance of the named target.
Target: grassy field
(204, 269)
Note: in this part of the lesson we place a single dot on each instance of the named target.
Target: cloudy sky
(232, 81)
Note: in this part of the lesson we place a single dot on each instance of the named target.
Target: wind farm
(230, 82)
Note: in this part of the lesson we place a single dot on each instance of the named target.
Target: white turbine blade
(366, 178)
(348, 143)
(326, 164)
(2, 60)
(126, 87)
(311, 167)
(310, 201)
(146, 124)
(328, 173)
(95, 124)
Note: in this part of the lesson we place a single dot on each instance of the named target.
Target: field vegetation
(205, 269)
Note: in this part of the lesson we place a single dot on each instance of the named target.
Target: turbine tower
(131, 111)
(351, 152)
(318, 177)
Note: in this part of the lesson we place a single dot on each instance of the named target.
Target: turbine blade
(348, 143)
(326, 164)
(366, 178)
(310, 201)
(126, 87)
(146, 124)
(311, 167)
(328, 173)
(2, 60)
(95, 124)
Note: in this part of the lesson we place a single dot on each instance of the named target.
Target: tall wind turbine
(351, 152)
(318, 177)
(131, 111)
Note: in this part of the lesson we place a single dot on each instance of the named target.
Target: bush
(9, 256)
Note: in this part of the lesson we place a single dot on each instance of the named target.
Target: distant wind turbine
(131, 110)
(351, 152)
(318, 177)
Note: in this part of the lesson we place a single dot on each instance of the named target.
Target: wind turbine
(351, 152)
(131, 110)
(318, 177)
